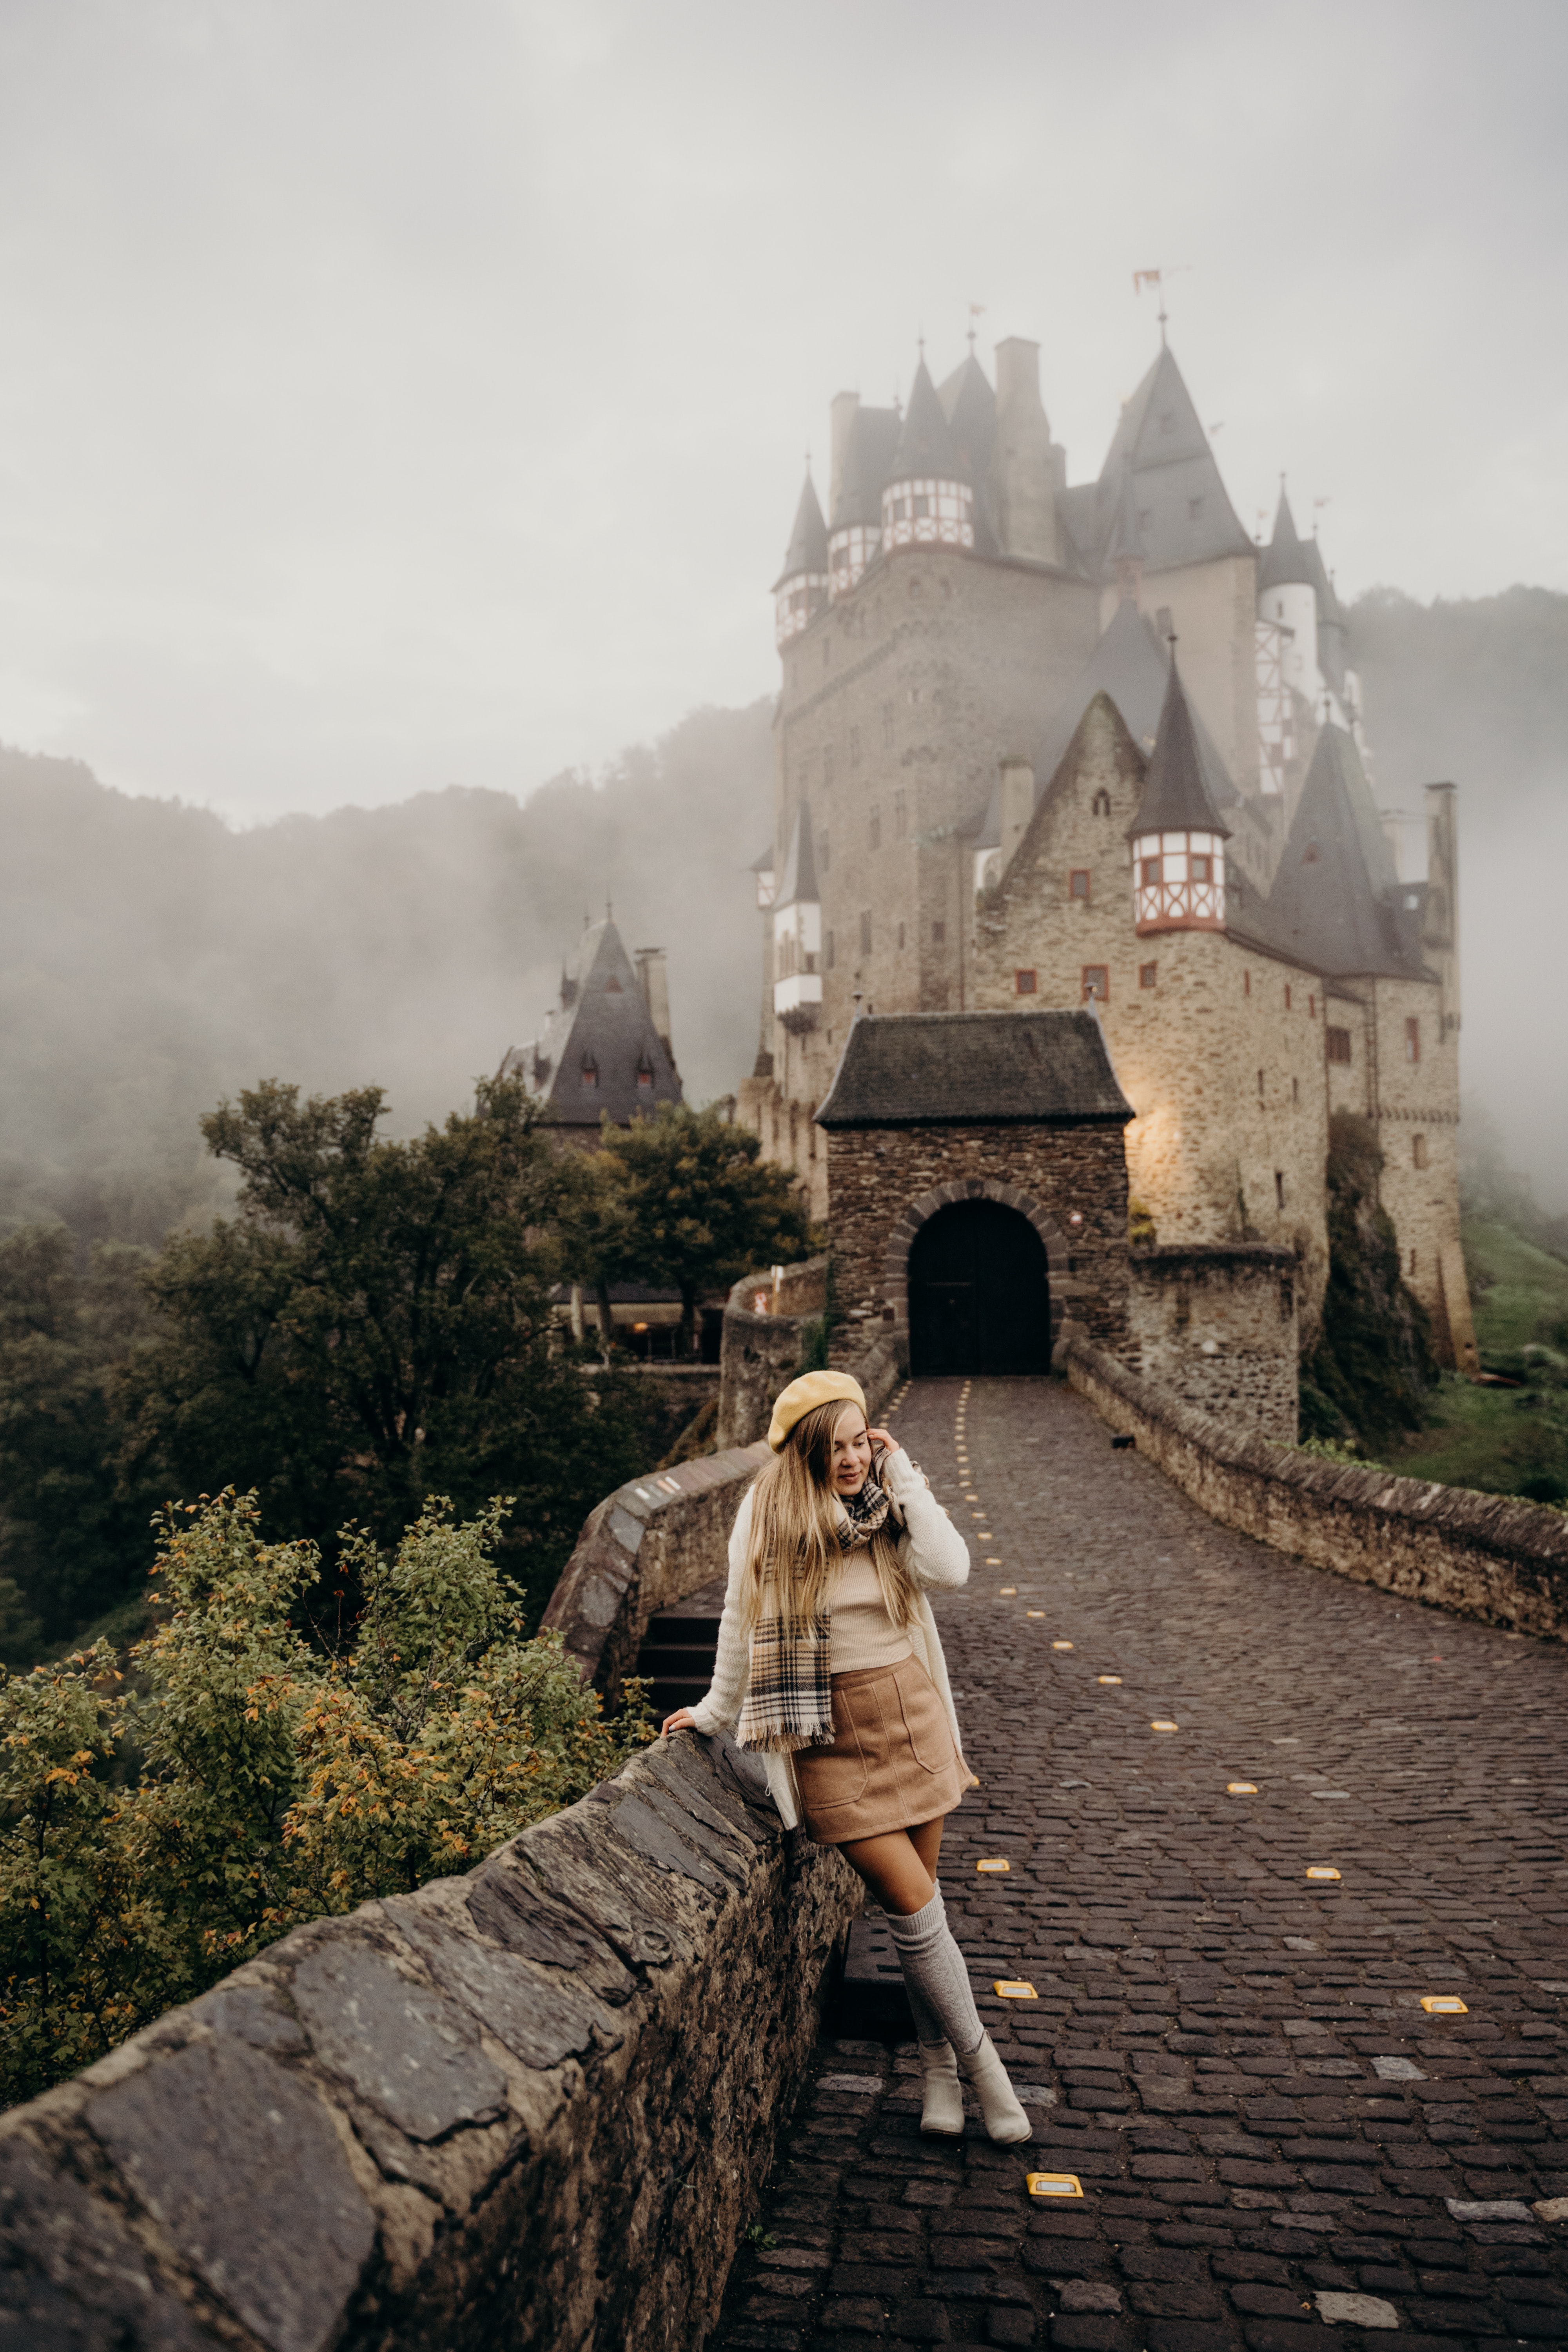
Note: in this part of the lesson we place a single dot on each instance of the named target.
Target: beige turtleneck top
(863, 1634)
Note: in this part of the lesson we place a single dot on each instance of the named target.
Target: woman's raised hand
(681, 1720)
(883, 1438)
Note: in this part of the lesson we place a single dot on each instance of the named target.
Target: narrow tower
(1178, 841)
(800, 591)
(927, 502)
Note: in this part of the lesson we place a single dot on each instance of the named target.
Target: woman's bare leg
(899, 1867)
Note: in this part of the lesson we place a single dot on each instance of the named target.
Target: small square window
(1339, 1045)
(1260, 1087)
(1147, 974)
(1279, 1188)
(1024, 983)
(1413, 1040)
(1078, 882)
(1200, 868)
(1246, 983)
(1153, 867)
(1295, 1090)
(1418, 1150)
(1287, 996)
(1096, 983)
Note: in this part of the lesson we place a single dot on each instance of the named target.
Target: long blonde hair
(793, 1555)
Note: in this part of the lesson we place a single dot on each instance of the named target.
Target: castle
(1045, 746)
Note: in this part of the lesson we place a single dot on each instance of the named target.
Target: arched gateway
(977, 1184)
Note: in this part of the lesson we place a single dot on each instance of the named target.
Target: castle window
(1246, 983)
(1413, 1040)
(590, 1071)
(1024, 983)
(1101, 803)
(1287, 996)
(1200, 869)
(886, 726)
(1153, 871)
(1261, 1086)
(855, 747)
(1078, 882)
(937, 935)
(900, 814)
(1146, 975)
(1339, 1045)
(1096, 983)
(1418, 1150)
(828, 952)
(923, 507)
(1296, 1090)
(865, 933)
(1412, 1260)
(1279, 1188)
(1311, 1008)
(645, 1077)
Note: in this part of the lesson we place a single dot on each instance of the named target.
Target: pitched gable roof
(952, 1069)
(1130, 665)
(1336, 897)
(603, 1027)
(808, 541)
(1183, 510)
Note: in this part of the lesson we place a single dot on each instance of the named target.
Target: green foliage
(701, 1203)
(73, 1539)
(279, 1779)
(374, 1326)
(1142, 1229)
(1367, 1379)
(1330, 1449)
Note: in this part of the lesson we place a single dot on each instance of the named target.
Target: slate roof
(969, 404)
(1175, 797)
(926, 445)
(963, 1069)
(808, 540)
(1161, 439)
(602, 1020)
(869, 451)
(1133, 666)
(798, 880)
(1336, 897)
(1283, 562)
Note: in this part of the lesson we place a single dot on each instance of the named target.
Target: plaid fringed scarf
(789, 1692)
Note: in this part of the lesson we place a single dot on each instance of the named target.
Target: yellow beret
(812, 1389)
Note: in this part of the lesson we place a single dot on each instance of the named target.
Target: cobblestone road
(1231, 2056)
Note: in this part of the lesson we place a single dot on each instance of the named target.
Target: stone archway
(900, 1241)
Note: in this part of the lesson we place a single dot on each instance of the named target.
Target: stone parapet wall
(1481, 1556)
(533, 2105)
(644, 1548)
(1216, 1328)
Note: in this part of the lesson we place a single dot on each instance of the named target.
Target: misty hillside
(152, 959)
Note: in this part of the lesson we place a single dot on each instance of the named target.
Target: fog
(398, 399)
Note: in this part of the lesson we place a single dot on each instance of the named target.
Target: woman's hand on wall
(681, 1720)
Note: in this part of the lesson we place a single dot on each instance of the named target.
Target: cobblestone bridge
(1233, 2057)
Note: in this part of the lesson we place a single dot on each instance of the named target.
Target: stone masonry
(1279, 2149)
(1216, 1329)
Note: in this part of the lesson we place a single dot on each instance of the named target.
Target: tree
(1368, 1376)
(374, 1325)
(703, 1206)
(280, 1779)
(73, 1539)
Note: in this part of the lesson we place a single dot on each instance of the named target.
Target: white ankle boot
(941, 2110)
(1004, 2118)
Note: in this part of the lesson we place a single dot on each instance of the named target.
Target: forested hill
(152, 959)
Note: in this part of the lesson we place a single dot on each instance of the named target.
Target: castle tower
(800, 591)
(604, 1049)
(1178, 841)
(797, 934)
(1287, 595)
(865, 443)
(928, 500)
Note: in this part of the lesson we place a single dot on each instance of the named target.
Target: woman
(829, 1661)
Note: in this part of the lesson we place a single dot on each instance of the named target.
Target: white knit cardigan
(937, 1559)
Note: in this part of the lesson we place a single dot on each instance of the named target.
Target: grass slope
(1504, 1441)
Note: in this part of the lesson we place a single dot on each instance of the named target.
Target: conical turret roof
(927, 449)
(1182, 506)
(969, 404)
(808, 540)
(1284, 563)
(1175, 797)
(1336, 896)
(798, 881)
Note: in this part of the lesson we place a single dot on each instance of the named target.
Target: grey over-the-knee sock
(936, 1978)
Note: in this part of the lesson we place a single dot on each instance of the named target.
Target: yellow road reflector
(1056, 1645)
(1321, 1870)
(1014, 1989)
(1241, 1787)
(1161, 1725)
(993, 1865)
(1054, 2184)
(1109, 1678)
(1033, 1613)
(993, 1563)
(1444, 2004)
(1004, 1592)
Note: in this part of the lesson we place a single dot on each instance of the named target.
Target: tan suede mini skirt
(892, 1764)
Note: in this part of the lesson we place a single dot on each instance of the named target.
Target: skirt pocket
(839, 1775)
(925, 1719)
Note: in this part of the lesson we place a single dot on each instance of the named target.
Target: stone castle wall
(1216, 1329)
(1069, 1172)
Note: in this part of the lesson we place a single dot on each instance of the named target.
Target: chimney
(653, 979)
(1023, 464)
(1017, 805)
(846, 405)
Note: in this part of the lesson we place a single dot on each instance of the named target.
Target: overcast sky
(403, 391)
